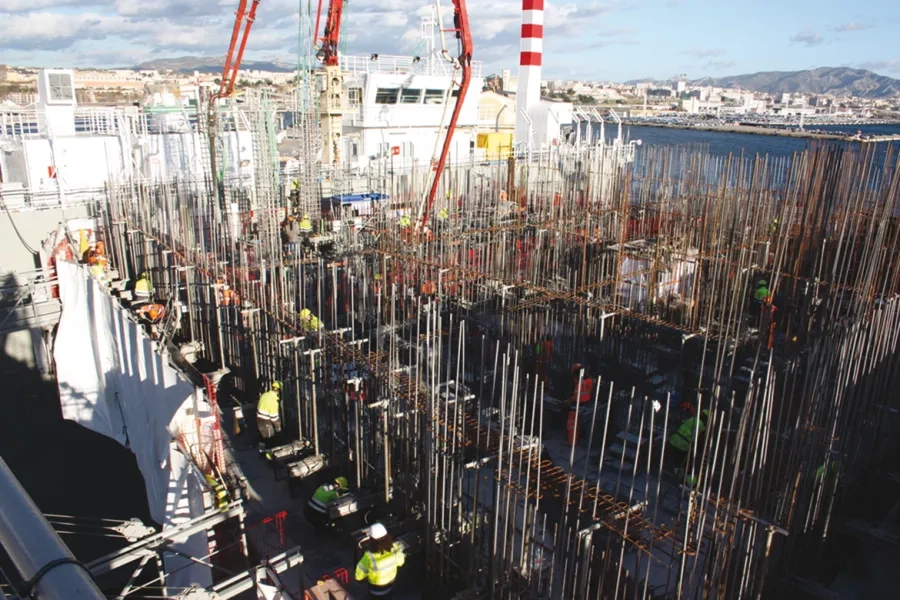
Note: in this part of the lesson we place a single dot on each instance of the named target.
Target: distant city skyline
(615, 40)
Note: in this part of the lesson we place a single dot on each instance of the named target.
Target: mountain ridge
(211, 64)
(837, 81)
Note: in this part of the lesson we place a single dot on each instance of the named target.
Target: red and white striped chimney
(528, 92)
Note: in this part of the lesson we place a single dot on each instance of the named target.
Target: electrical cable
(25, 588)
(16, 229)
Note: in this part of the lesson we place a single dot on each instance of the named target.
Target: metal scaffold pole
(45, 563)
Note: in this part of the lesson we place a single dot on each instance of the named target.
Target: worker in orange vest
(151, 312)
(583, 391)
(227, 296)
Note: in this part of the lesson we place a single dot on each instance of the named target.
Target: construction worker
(583, 390)
(142, 288)
(268, 415)
(317, 508)
(405, 221)
(219, 490)
(682, 440)
(443, 214)
(380, 562)
(309, 321)
(295, 189)
(152, 312)
(290, 236)
(97, 261)
(227, 296)
(762, 291)
(83, 244)
(305, 225)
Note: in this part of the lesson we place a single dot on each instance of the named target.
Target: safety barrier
(267, 538)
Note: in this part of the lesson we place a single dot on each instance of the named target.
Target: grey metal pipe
(32, 544)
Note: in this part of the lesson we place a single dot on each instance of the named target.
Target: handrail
(37, 552)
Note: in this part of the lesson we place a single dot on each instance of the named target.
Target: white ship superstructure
(56, 152)
(402, 107)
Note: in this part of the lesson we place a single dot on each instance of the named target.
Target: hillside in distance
(838, 81)
(212, 64)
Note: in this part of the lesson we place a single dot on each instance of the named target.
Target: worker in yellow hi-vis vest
(268, 414)
(380, 562)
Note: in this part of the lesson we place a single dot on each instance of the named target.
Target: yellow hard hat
(342, 482)
(276, 385)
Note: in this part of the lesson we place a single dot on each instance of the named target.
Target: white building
(695, 106)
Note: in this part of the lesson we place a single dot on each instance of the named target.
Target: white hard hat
(377, 531)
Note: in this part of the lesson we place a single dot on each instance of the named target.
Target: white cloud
(807, 37)
(852, 26)
(119, 32)
(17, 6)
(705, 52)
(891, 65)
(719, 65)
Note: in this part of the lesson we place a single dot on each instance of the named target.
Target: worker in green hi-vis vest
(317, 508)
(682, 441)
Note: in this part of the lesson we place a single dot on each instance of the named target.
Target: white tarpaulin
(268, 592)
(113, 382)
(674, 281)
(184, 502)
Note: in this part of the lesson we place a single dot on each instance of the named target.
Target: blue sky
(611, 40)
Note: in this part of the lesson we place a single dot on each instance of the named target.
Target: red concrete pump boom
(232, 62)
(464, 35)
(328, 53)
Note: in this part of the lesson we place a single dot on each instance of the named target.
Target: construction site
(497, 353)
(439, 377)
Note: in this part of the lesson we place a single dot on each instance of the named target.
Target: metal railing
(28, 299)
(19, 198)
(24, 123)
(388, 63)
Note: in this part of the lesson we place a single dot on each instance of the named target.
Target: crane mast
(332, 96)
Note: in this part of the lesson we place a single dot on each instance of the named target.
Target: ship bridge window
(354, 96)
(434, 96)
(386, 95)
(410, 96)
(454, 93)
(60, 86)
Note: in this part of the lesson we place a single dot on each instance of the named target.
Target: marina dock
(770, 131)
